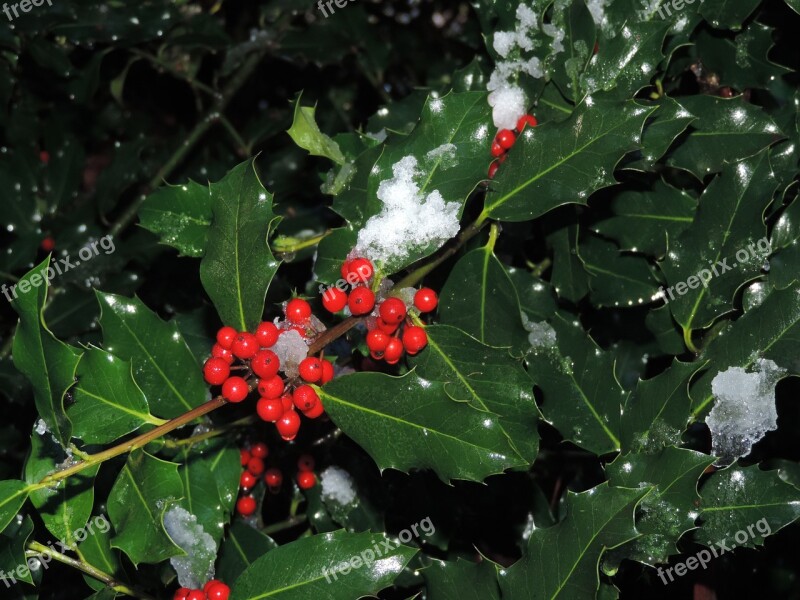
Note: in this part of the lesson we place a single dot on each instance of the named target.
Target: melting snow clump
(41, 427)
(197, 567)
(291, 348)
(408, 219)
(744, 409)
(337, 485)
(445, 154)
(540, 334)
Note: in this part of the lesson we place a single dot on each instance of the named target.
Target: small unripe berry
(327, 372)
(272, 387)
(310, 369)
(247, 480)
(288, 425)
(361, 301)
(304, 397)
(218, 351)
(267, 334)
(414, 339)
(306, 480)
(269, 409)
(426, 300)
(334, 299)
(265, 364)
(244, 345)
(506, 138)
(216, 371)
(392, 311)
(259, 450)
(394, 350)
(235, 389)
(298, 311)
(225, 336)
(361, 269)
(273, 478)
(246, 505)
(255, 466)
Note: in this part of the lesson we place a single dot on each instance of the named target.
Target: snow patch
(444, 154)
(744, 409)
(197, 567)
(291, 348)
(408, 220)
(337, 485)
(41, 427)
(540, 334)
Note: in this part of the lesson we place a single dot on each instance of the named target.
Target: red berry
(244, 345)
(327, 372)
(209, 583)
(181, 593)
(304, 397)
(218, 591)
(361, 301)
(393, 311)
(315, 411)
(414, 339)
(426, 300)
(269, 409)
(493, 168)
(273, 477)
(310, 369)
(389, 328)
(235, 389)
(247, 480)
(506, 138)
(218, 351)
(286, 401)
(334, 299)
(246, 505)
(44, 155)
(48, 244)
(497, 149)
(270, 388)
(394, 350)
(526, 120)
(305, 462)
(225, 337)
(245, 456)
(298, 310)
(255, 466)
(259, 450)
(359, 270)
(377, 340)
(267, 334)
(306, 480)
(265, 364)
(216, 371)
(345, 269)
(288, 425)
(196, 595)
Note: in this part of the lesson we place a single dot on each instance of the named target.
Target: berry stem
(285, 244)
(211, 433)
(331, 334)
(35, 549)
(285, 524)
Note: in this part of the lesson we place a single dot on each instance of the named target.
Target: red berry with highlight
(414, 339)
(361, 301)
(255, 466)
(298, 311)
(315, 411)
(526, 120)
(244, 345)
(288, 425)
(506, 138)
(217, 591)
(360, 269)
(497, 149)
(265, 364)
(394, 350)
(269, 409)
(493, 168)
(246, 505)
(216, 371)
(273, 478)
(426, 300)
(209, 583)
(247, 480)
(259, 450)
(327, 372)
(377, 340)
(235, 389)
(196, 595)
(393, 311)
(334, 299)
(310, 369)
(181, 593)
(225, 337)
(218, 351)
(267, 334)
(305, 462)
(272, 387)
(305, 398)
(306, 480)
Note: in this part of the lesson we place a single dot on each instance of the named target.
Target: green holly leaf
(569, 277)
(202, 497)
(560, 562)
(486, 378)
(107, 402)
(306, 134)
(13, 543)
(225, 466)
(163, 365)
(558, 163)
(661, 130)
(582, 398)
(667, 512)
(142, 492)
(48, 363)
(726, 130)
(13, 494)
(578, 42)
(536, 296)
(785, 257)
(97, 551)
(429, 429)
(713, 257)
(745, 500)
(461, 580)
(180, 215)
(238, 265)
(330, 566)
(242, 546)
(723, 14)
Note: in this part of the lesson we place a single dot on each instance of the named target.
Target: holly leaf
(97, 551)
(163, 366)
(461, 580)
(569, 277)
(238, 265)
(180, 215)
(242, 546)
(428, 429)
(785, 249)
(306, 134)
(723, 14)
(13, 494)
(661, 130)
(202, 497)
(13, 543)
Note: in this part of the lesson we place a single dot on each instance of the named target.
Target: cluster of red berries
(213, 590)
(361, 299)
(505, 139)
(276, 402)
(253, 463)
(306, 479)
(385, 341)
